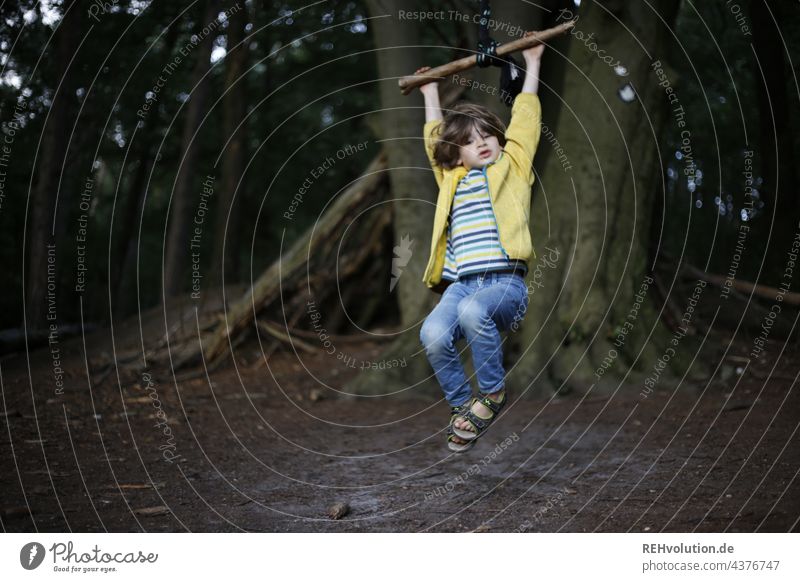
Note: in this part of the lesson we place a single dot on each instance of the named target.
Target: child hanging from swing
(480, 246)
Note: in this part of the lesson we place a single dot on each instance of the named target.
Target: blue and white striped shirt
(473, 242)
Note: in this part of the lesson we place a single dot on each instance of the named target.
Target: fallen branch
(762, 291)
(438, 73)
(339, 339)
(304, 268)
(279, 335)
(268, 285)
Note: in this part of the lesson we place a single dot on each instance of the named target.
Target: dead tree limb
(438, 73)
(268, 285)
(276, 332)
(762, 291)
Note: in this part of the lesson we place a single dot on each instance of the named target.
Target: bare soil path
(269, 449)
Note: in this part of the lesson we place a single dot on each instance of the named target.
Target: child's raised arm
(433, 109)
(433, 118)
(533, 57)
(524, 130)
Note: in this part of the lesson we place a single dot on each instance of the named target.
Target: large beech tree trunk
(400, 122)
(413, 190)
(592, 212)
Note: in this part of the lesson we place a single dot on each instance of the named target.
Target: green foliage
(308, 84)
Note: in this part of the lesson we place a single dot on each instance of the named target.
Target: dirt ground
(267, 448)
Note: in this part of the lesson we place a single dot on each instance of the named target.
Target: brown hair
(456, 128)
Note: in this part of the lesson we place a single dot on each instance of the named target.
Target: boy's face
(480, 149)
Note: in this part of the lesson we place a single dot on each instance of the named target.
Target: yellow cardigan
(510, 179)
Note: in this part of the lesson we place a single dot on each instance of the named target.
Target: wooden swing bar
(408, 83)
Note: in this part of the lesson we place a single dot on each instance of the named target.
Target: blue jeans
(477, 307)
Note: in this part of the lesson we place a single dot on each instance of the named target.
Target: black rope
(511, 76)
(487, 46)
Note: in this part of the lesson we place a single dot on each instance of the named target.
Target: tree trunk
(417, 378)
(225, 261)
(122, 282)
(51, 161)
(403, 117)
(592, 213)
(413, 190)
(123, 271)
(412, 185)
(184, 200)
